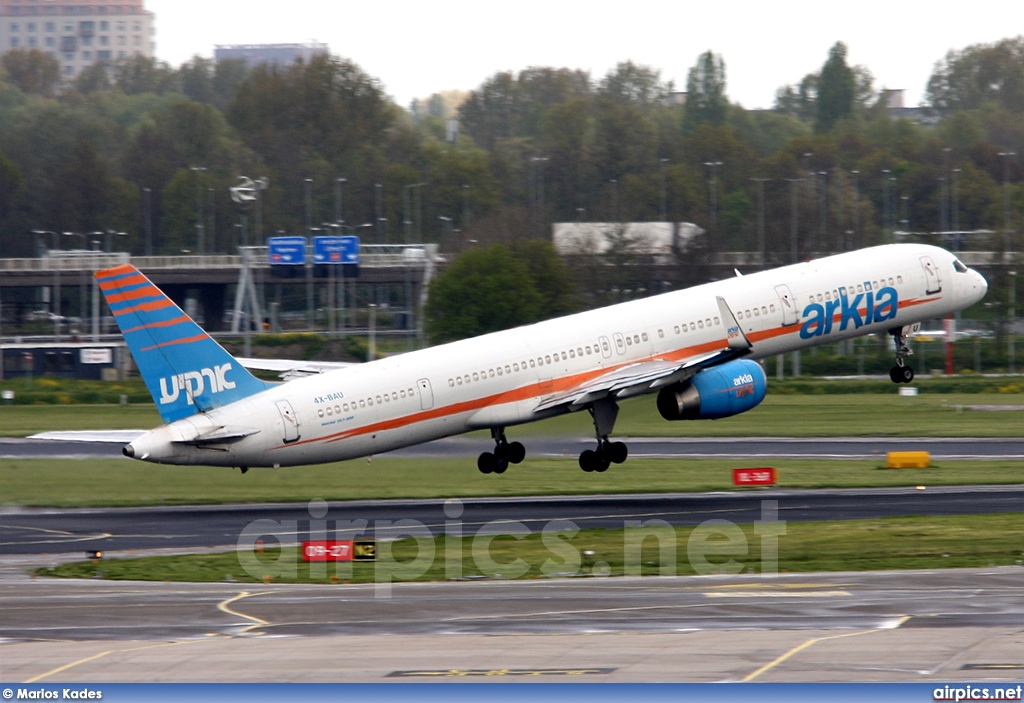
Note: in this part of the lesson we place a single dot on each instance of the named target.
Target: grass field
(122, 482)
(896, 543)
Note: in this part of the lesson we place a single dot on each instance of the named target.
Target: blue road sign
(286, 251)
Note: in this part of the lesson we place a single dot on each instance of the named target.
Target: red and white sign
(753, 477)
(327, 550)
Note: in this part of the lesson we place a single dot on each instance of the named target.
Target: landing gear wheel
(485, 462)
(906, 374)
(616, 451)
(515, 451)
(896, 374)
(588, 460)
(500, 464)
(602, 461)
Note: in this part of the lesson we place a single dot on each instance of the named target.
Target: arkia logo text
(194, 384)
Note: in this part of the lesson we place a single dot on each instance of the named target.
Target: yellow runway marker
(256, 622)
(94, 657)
(810, 643)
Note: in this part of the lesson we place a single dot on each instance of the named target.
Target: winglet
(737, 340)
(185, 370)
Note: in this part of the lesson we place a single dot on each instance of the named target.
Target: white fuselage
(499, 379)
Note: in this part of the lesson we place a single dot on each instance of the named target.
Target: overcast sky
(419, 47)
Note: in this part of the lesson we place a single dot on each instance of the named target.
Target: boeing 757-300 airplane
(697, 349)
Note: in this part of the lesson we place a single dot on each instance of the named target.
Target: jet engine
(720, 391)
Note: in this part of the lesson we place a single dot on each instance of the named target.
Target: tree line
(141, 147)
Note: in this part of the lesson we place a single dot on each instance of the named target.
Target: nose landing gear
(901, 373)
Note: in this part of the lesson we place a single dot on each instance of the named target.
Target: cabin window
(772, 307)
(572, 353)
(320, 412)
(899, 279)
(564, 356)
(499, 370)
(661, 334)
(547, 359)
(629, 341)
(700, 323)
(490, 373)
(379, 400)
(515, 367)
(860, 288)
(756, 313)
(466, 379)
(676, 329)
(717, 321)
(403, 393)
(890, 280)
(692, 326)
(532, 363)
(644, 336)
(579, 351)
(604, 345)
(452, 382)
(345, 407)
(337, 410)
(508, 369)
(362, 403)
(828, 295)
(476, 376)
(394, 396)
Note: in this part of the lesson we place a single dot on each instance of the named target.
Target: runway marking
(811, 642)
(500, 672)
(256, 622)
(775, 594)
(94, 657)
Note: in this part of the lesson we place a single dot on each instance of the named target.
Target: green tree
(980, 73)
(484, 290)
(837, 90)
(706, 102)
(32, 71)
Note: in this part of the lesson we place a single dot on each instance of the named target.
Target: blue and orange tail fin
(185, 370)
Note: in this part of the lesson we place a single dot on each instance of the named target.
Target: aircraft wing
(289, 369)
(647, 376)
(114, 436)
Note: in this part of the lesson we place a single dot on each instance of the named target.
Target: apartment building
(78, 33)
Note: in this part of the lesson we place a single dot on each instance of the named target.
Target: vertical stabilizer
(185, 370)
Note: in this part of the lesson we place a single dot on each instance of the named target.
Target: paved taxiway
(941, 448)
(963, 624)
(33, 531)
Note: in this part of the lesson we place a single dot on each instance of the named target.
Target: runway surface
(922, 626)
(34, 531)
(955, 625)
(941, 448)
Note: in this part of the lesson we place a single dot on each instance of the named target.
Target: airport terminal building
(78, 33)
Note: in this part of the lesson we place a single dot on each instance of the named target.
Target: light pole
(408, 198)
(956, 208)
(55, 303)
(199, 170)
(856, 210)
(537, 191)
(309, 205)
(1006, 155)
(338, 214)
(760, 217)
(713, 194)
(664, 194)
(885, 205)
(147, 197)
(793, 248)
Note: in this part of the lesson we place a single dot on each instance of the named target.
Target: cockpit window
(959, 266)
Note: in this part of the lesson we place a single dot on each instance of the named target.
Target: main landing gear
(604, 412)
(901, 373)
(505, 453)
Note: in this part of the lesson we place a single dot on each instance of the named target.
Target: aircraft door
(426, 394)
(790, 315)
(620, 343)
(933, 283)
(606, 348)
(289, 420)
